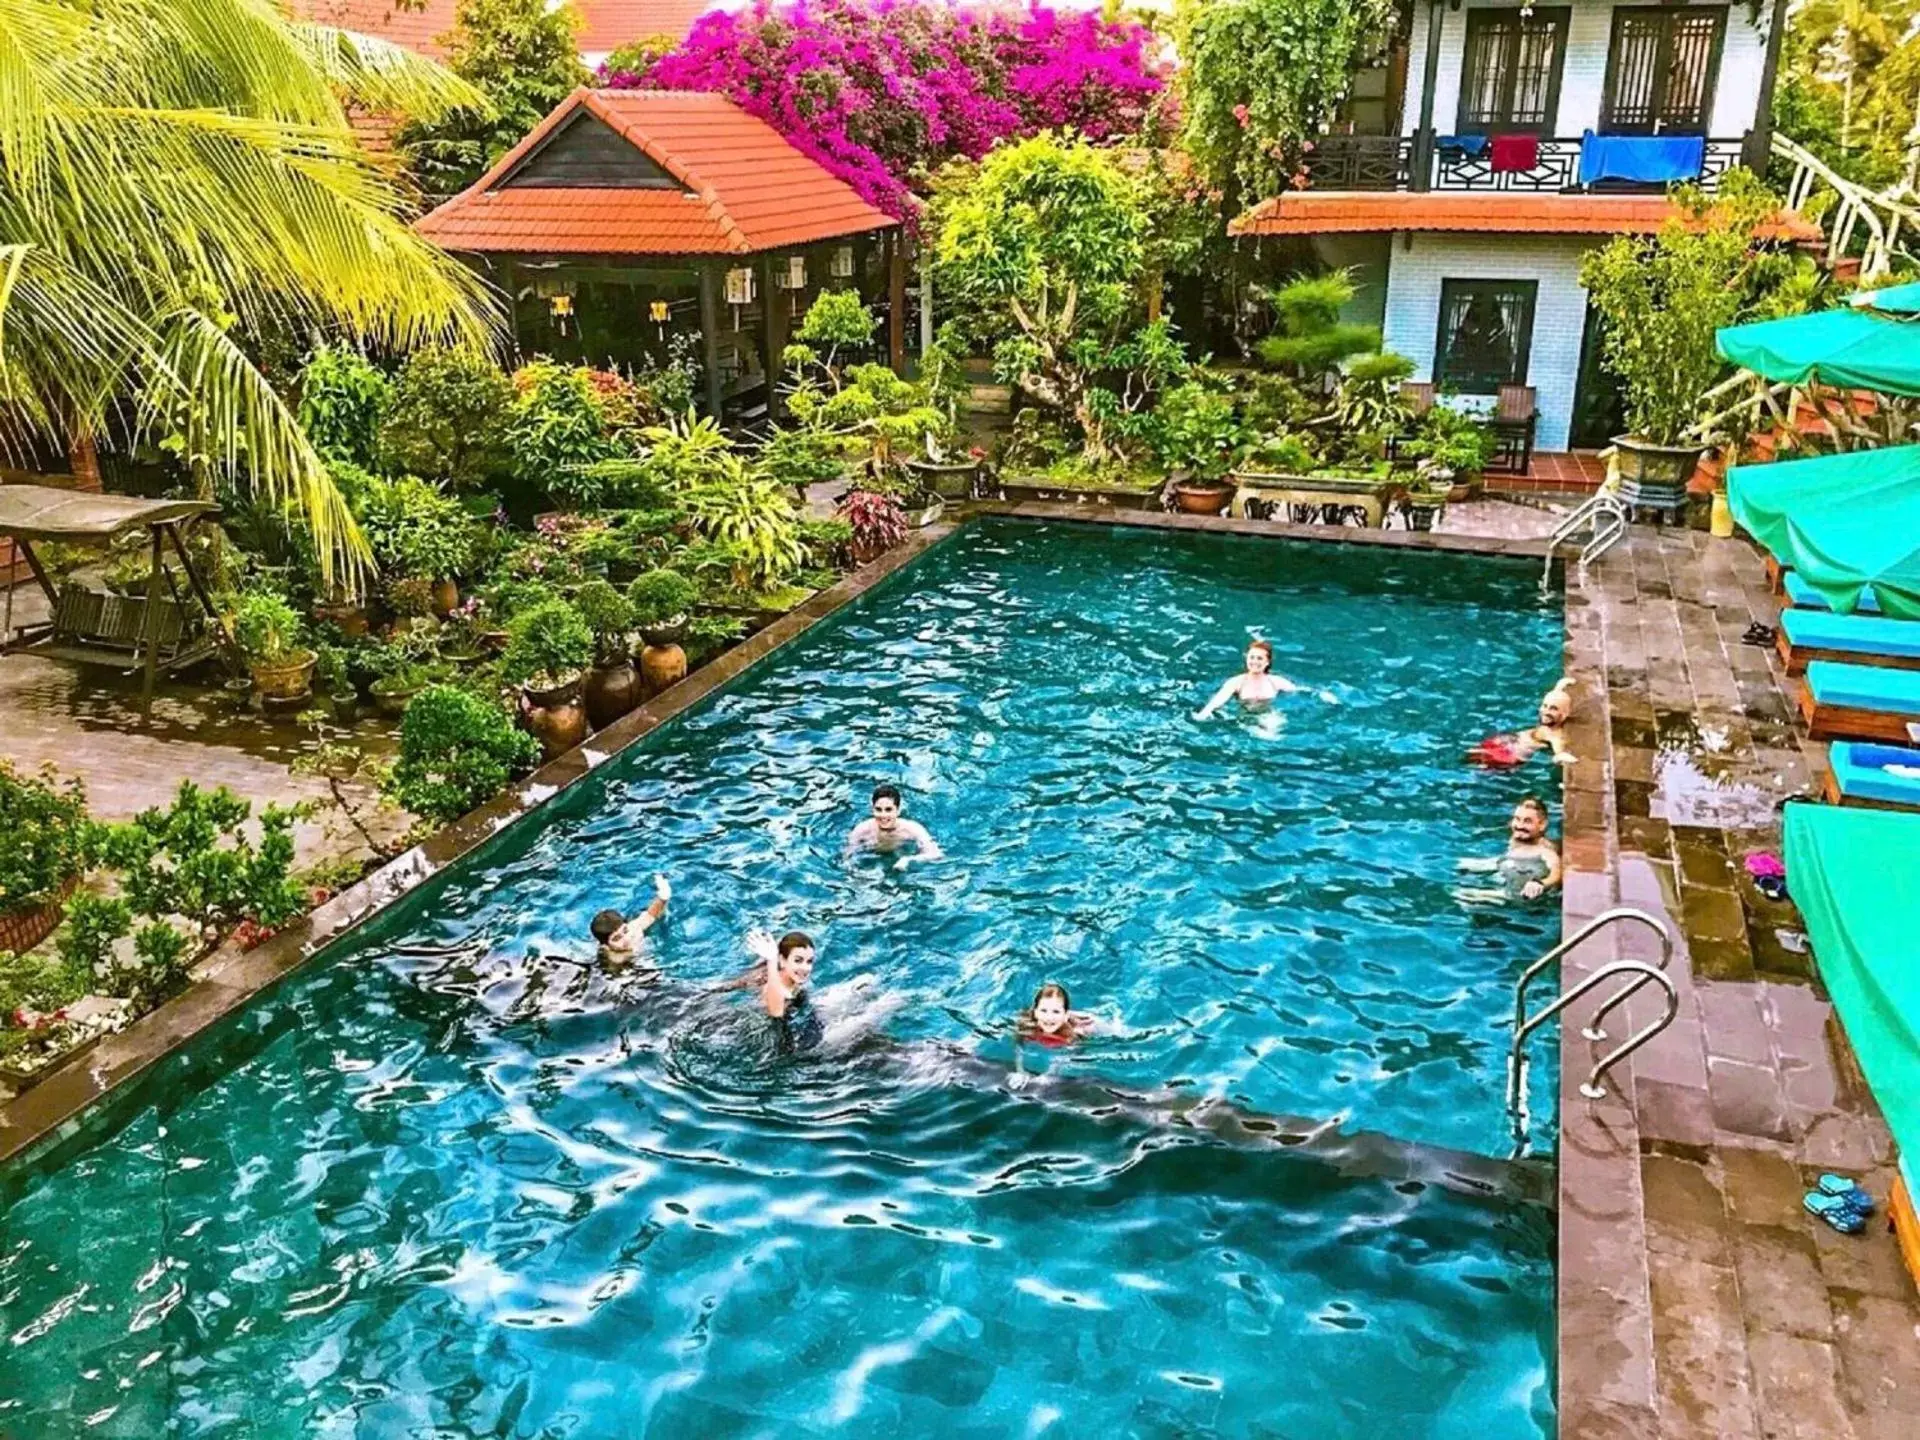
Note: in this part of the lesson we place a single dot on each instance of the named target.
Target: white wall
(1559, 317)
(1589, 33)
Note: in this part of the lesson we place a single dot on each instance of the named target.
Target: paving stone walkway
(1763, 1321)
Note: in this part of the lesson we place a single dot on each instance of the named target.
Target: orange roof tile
(608, 24)
(1325, 212)
(747, 189)
(423, 25)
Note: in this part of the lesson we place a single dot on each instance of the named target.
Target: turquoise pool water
(453, 1183)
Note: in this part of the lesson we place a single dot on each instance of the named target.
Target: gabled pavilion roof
(642, 172)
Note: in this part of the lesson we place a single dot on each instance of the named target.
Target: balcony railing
(1386, 162)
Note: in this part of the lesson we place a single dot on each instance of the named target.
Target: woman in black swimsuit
(789, 965)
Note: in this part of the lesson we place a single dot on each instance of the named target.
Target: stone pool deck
(1697, 1297)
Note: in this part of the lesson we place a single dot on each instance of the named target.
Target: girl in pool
(1531, 866)
(1051, 1020)
(788, 966)
(1256, 686)
(1502, 752)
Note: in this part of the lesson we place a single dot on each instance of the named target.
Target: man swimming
(1257, 686)
(887, 830)
(1504, 751)
(1531, 865)
(620, 938)
(786, 967)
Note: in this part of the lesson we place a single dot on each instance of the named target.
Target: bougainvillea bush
(878, 91)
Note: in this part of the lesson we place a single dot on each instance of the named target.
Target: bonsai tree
(548, 645)
(661, 598)
(456, 751)
(837, 320)
(609, 617)
(1662, 299)
(447, 419)
(1313, 340)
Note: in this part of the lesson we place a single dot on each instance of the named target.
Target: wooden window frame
(1478, 20)
(1662, 62)
(1523, 350)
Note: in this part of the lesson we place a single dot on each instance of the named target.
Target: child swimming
(1529, 868)
(1502, 752)
(788, 966)
(1051, 1019)
(621, 938)
(1257, 686)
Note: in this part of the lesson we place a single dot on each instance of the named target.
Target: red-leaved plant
(878, 522)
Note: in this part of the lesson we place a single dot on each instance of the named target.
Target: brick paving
(1757, 1320)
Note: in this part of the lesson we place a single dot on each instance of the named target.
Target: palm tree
(178, 179)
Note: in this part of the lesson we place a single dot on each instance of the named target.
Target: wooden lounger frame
(1906, 1226)
(1830, 785)
(1846, 722)
(1797, 657)
(1776, 576)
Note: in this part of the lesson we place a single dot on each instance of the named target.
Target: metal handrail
(1608, 517)
(1592, 927)
(1593, 1089)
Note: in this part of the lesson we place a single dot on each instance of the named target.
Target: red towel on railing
(1515, 154)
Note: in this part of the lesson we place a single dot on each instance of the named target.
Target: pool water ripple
(460, 1182)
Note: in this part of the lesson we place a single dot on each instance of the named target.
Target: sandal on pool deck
(1844, 1189)
(1835, 1211)
(1758, 634)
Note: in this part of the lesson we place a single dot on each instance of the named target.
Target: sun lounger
(1906, 1225)
(1807, 635)
(1800, 592)
(1860, 702)
(1881, 777)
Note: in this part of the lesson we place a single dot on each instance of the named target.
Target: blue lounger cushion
(1865, 687)
(1862, 774)
(1801, 592)
(1861, 634)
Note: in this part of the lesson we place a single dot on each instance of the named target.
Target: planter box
(1034, 488)
(21, 930)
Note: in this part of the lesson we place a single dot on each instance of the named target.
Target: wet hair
(1265, 647)
(606, 923)
(1052, 989)
(886, 792)
(1536, 804)
(794, 940)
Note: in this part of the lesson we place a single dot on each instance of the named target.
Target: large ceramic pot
(610, 692)
(349, 617)
(561, 692)
(392, 698)
(559, 726)
(1202, 497)
(949, 479)
(661, 666)
(286, 679)
(1651, 467)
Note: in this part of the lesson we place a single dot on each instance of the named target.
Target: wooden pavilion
(630, 216)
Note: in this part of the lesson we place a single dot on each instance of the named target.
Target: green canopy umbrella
(1850, 873)
(1851, 348)
(1844, 522)
(1894, 300)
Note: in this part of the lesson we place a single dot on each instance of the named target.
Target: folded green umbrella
(1853, 348)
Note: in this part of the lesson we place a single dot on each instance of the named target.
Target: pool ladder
(1642, 974)
(1605, 515)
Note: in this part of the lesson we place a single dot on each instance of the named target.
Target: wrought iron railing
(1386, 162)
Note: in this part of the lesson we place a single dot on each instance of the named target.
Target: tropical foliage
(178, 180)
(1849, 78)
(456, 750)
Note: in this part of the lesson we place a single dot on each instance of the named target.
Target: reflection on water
(466, 1182)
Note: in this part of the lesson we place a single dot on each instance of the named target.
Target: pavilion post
(896, 303)
(770, 336)
(710, 335)
(151, 625)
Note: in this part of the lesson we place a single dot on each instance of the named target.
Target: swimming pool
(470, 1192)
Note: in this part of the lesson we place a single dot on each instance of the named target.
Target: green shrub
(266, 628)
(343, 400)
(456, 751)
(46, 837)
(448, 419)
(608, 615)
(557, 425)
(94, 922)
(1195, 429)
(547, 644)
(416, 531)
(753, 516)
(660, 596)
(194, 860)
(39, 982)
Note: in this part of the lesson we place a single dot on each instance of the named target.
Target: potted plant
(1661, 300)
(879, 523)
(418, 533)
(267, 630)
(612, 686)
(548, 650)
(47, 842)
(1196, 436)
(346, 613)
(661, 603)
(330, 672)
(1451, 448)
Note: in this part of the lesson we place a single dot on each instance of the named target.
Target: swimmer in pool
(1256, 686)
(786, 966)
(620, 938)
(887, 830)
(1531, 866)
(1051, 1020)
(1502, 751)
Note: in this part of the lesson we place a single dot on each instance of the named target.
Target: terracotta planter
(557, 727)
(661, 666)
(566, 692)
(22, 929)
(610, 692)
(1198, 499)
(446, 598)
(348, 617)
(393, 702)
(287, 679)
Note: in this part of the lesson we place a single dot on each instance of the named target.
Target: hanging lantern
(840, 266)
(657, 312)
(740, 286)
(562, 307)
(792, 275)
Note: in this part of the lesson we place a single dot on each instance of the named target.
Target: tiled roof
(608, 24)
(748, 190)
(1327, 212)
(604, 24)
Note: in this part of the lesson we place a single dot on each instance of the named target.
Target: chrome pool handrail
(1607, 516)
(1593, 1089)
(1593, 927)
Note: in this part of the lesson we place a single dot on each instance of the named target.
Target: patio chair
(1516, 416)
(1807, 635)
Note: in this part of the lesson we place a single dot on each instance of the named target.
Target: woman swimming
(1255, 687)
(1051, 1020)
(788, 965)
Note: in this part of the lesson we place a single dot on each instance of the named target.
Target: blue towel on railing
(1649, 159)
(1467, 147)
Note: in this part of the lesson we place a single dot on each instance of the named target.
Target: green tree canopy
(178, 180)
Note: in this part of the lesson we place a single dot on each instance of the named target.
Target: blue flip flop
(1835, 1211)
(1845, 1189)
